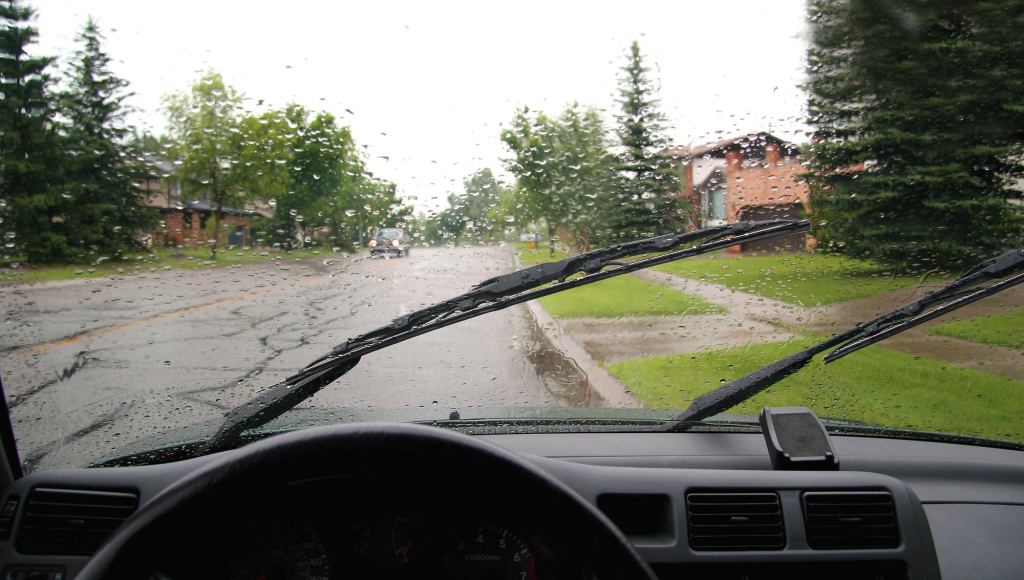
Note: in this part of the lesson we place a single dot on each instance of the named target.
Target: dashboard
(367, 527)
(690, 504)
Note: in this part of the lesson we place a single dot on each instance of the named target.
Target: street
(90, 366)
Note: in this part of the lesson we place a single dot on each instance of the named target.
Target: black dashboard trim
(923, 475)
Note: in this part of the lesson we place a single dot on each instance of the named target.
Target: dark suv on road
(390, 241)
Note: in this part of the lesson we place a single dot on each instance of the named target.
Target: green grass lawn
(542, 253)
(875, 385)
(616, 297)
(158, 259)
(998, 329)
(624, 296)
(806, 279)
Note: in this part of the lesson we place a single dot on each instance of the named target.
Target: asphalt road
(90, 366)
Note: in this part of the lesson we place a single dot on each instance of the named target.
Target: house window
(716, 203)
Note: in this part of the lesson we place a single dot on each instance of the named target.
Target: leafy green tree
(533, 140)
(381, 207)
(312, 170)
(262, 154)
(586, 176)
(502, 215)
(147, 143)
(105, 214)
(565, 173)
(472, 215)
(204, 127)
(646, 203)
(327, 177)
(448, 225)
(30, 161)
(483, 192)
(919, 113)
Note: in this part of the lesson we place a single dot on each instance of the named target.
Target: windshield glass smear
(191, 214)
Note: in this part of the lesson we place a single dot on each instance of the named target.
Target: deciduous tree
(204, 126)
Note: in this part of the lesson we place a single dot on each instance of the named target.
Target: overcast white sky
(429, 84)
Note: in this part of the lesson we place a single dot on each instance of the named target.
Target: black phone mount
(797, 439)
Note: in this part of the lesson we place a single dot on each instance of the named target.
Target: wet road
(92, 365)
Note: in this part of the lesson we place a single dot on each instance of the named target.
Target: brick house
(184, 225)
(752, 177)
(183, 222)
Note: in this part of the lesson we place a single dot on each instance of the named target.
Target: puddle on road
(564, 379)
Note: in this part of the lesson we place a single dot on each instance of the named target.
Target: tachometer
(491, 552)
(408, 539)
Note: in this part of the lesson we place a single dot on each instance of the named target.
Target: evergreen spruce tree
(919, 108)
(30, 164)
(107, 215)
(647, 202)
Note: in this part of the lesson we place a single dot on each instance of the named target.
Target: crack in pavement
(304, 340)
(109, 329)
(81, 361)
(31, 461)
(68, 372)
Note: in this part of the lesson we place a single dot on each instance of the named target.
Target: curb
(600, 380)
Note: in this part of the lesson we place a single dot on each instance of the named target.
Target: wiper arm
(490, 295)
(957, 294)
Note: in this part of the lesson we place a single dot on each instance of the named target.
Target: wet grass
(805, 279)
(537, 255)
(613, 298)
(158, 259)
(625, 296)
(876, 386)
(998, 329)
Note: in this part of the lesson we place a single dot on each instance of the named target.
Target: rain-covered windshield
(191, 192)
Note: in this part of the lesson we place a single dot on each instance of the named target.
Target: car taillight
(373, 243)
(395, 243)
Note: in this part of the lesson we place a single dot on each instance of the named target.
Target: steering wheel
(400, 450)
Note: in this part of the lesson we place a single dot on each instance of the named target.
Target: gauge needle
(405, 550)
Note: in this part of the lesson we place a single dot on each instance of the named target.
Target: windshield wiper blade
(954, 295)
(956, 301)
(490, 295)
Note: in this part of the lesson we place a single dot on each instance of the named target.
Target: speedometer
(491, 551)
(296, 552)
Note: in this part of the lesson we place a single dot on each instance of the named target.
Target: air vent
(71, 521)
(734, 521)
(848, 520)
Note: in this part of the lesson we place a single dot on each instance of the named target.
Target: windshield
(190, 195)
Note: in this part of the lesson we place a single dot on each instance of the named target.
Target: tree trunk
(585, 239)
(218, 215)
(551, 238)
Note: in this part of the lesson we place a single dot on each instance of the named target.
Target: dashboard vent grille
(734, 521)
(71, 521)
(848, 520)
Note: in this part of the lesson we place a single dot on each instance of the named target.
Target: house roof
(208, 207)
(755, 141)
(704, 172)
(159, 163)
